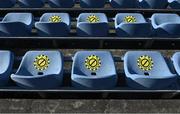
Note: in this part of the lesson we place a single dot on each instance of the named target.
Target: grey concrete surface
(89, 106)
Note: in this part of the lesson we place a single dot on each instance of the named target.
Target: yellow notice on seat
(93, 62)
(93, 19)
(41, 62)
(145, 63)
(129, 19)
(55, 19)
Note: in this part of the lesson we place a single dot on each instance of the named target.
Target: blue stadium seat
(123, 3)
(54, 24)
(7, 3)
(31, 3)
(176, 62)
(92, 24)
(40, 70)
(153, 4)
(93, 70)
(6, 60)
(61, 3)
(16, 24)
(92, 3)
(166, 25)
(132, 25)
(174, 4)
(147, 70)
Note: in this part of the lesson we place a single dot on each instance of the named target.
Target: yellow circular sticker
(145, 63)
(55, 19)
(93, 62)
(129, 19)
(41, 62)
(92, 19)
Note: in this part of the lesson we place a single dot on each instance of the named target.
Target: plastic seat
(6, 60)
(153, 4)
(31, 3)
(92, 3)
(147, 70)
(54, 24)
(93, 70)
(132, 25)
(92, 24)
(16, 24)
(174, 4)
(124, 3)
(40, 70)
(166, 25)
(7, 3)
(61, 3)
(176, 62)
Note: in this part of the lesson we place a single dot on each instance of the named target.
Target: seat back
(41, 63)
(172, 1)
(25, 18)
(153, 3)
(174, 4)
(92, 63)
(176, 62)
(92, 3)
(7, 3)
(146, 63)
(31, 4)
(129, 18)
(92, 17)
(123, 3)
(61, 3)
(6, 60)
(57, 17)
(165, 18)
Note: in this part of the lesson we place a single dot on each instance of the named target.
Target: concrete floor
(89, 106)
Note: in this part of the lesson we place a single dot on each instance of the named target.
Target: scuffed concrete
(88, 106)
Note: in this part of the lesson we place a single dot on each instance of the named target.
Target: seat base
(80, 82)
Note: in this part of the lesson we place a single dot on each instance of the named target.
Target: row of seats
(93, 3)
(90, 70)
(91, 24)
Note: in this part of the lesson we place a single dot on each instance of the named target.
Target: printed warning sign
(93, 62)
(41, 62)
(129, 19)
(145, 63)
(55, 19)
(93, 19)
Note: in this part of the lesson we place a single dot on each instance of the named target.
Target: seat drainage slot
(146, 74)
(93, 74)
(40, 73)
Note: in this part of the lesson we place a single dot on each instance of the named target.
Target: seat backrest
(7, 3)
(41, 63)
(171, 1)
(146, 63)
(25, 18)
(154, 1)
(85, 17)
(177, 1)
(92, 63)
(129, 18)
(58, 17)
(161, 18)
(176, 61)
(127, 2)
(24, 1)
(5, 60)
